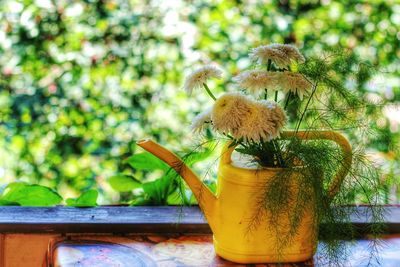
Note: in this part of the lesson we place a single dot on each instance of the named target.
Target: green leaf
(159, 190)
(152, 189)
(30, 195)
(141, 201)
(147, 161)
(87, 199)
(175, 198)
(123, 183)
(7, 203)
(197, 156)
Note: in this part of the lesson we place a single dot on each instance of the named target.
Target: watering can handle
(314, 135)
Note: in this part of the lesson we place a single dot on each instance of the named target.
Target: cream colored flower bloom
(247, 119)
(281, 54)
(200, 76)
(291, 51)
(263, 53)
(264, 123)
(200, 121)
(294, 82)
(229, 111)
(277, 116)
(256, 80)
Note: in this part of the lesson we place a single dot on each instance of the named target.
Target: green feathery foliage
(297, 190)
(306, 181)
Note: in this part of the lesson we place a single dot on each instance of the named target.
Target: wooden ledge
(122, 219)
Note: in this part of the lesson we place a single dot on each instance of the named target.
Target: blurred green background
(81, 81)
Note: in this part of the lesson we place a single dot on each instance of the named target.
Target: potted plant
(273, 196)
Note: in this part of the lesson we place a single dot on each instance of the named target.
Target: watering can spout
(206, 199)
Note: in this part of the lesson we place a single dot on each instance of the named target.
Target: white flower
(256, 80)
(276, 115)
(264, 123)
(291, 51)
(281, 54)
(201, 120)
(247, 119)
(294, 82)
(229, 111)
(264, 53)
(198, 77)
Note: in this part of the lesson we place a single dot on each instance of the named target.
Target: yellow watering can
(229, 211)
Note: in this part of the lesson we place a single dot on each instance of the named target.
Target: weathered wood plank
(102, 220)
(117, 219)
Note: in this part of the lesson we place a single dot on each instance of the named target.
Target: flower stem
(229, 136)
(278, 153)
(209, 92)
(276, 96)
(266, 93)
(305, 109)
(288, 99)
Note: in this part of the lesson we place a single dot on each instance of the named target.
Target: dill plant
(313, 95)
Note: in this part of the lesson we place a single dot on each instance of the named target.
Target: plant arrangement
(310, 178)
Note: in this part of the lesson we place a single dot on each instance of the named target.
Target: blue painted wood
(123, 219)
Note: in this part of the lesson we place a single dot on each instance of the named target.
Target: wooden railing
(123, 219)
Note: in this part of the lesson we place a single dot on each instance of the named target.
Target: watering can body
(246, 232)
(243, 231)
